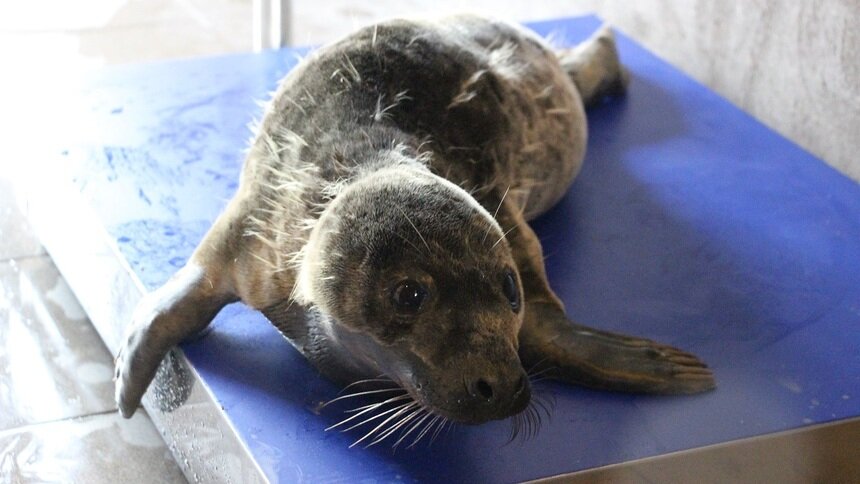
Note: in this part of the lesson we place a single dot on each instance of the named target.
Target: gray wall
(794, 65)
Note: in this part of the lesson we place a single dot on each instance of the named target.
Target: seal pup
(381, 225)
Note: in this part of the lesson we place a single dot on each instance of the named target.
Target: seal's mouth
(381, 409)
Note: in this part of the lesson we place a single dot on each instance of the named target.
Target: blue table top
(691, 223)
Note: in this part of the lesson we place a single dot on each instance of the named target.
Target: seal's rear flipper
(606, 361)
(595, 68)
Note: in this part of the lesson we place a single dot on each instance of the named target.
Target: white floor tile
(94, 449)
(16, 236)
(53, 364)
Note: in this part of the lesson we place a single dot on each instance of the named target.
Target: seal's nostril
(484, 389)
(521, 384)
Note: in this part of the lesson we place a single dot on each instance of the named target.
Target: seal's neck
(361, 150)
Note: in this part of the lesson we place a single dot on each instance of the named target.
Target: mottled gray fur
(410, 154)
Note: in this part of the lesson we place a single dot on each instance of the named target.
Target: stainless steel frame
(198, 432)
(271, 28)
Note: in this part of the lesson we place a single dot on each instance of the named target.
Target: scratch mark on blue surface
(214, 174)
(143, 196)
(109, 157)
(188, 107)
(170, 204)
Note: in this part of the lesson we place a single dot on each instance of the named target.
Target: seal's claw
(147, 341)
(131, 379)
(694, 382)
(690, 360)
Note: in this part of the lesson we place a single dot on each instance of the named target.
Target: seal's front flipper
(550, 343)
(163, 318)
(607, 361)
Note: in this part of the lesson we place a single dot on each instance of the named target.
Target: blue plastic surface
(691, 223)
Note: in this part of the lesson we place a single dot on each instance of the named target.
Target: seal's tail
(595, 68)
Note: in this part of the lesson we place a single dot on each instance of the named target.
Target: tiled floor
(57, 418)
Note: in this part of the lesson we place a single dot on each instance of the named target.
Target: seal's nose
(492, 395)
(491, 391)
(483, 388)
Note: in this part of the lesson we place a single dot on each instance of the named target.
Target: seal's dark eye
(408, 296)
(512, 292)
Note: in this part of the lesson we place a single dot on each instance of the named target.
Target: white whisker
(503, 236)
(538, 380)
(441, 426)
(423, 432)
(412, 428)
(384, 422)
(535, 366)
(414, 227)
(540, 373)
(353, 395)
(374, 406)
(405, 420)
(496, 213)
(377, 416)
(370, 380)
(404, 239)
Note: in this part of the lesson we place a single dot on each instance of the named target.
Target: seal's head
(419, 284)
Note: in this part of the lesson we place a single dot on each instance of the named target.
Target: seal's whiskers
(424, 431)
(527, 423)
(412, 428)
(403, 421)
(376, 429)
(358, 394)
(369, 405)
(535, 366)
(401, 416)
(371, 408)
(416, 229)
(537, 374)
(490, 226)
(378, 416)
(442, 423)
(378, 379)
(503, 236)
(404, 239)
(546, 402)
(540, 375)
